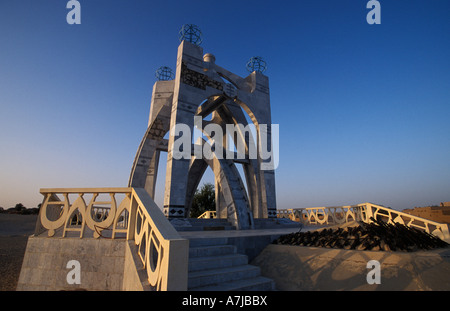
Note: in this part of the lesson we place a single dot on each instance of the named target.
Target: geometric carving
(198, 80)
(97, 215)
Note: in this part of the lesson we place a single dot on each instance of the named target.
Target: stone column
(186, 99)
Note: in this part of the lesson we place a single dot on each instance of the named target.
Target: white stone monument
(201, 87)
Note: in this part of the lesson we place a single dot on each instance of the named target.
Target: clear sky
(364, 110)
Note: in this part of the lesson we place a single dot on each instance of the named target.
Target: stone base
(295, 268)
(102, 263)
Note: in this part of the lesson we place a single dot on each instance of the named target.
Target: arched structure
(201, 88)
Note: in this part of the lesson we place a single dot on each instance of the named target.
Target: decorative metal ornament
(256, 63)
(191, 33)
(164, 74)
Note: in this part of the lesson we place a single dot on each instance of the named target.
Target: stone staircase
(195, 224)
(215, 266)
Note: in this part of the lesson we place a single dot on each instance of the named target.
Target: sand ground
(14, 233)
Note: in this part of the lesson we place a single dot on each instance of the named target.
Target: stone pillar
(257, 106)
(186, 99)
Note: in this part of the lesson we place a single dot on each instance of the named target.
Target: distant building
(435, 213)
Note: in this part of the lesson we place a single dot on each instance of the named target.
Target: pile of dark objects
(376, 236)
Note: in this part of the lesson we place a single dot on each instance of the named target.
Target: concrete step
(259, 283)
(212, 250)
(222, 275)
(216, 265)
(208, 220)
(205, 228)
(195, 224)
(276, 223)
(196, 242)
(215, 262)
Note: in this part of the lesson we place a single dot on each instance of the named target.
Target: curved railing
(163, 253)
(363, 212)
(65, 213)
(208, 215)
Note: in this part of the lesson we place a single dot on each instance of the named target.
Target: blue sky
(364, 110)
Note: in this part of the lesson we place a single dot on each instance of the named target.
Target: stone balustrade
(96, 213)
(363, 212)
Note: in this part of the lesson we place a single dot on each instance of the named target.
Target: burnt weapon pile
(376, 236)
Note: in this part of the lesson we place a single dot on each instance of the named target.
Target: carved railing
(295, 214)
(65, 212)
(163, 253)
(363, 212)
(208, 215)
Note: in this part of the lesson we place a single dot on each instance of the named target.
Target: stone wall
(295, 268)
(435, 213)
(134, 276)
(44, 265)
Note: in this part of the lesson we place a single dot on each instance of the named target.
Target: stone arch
(232, 114)
(228, 185)
(196, 170)
(145, 165)
(200, 88)
(227, 113)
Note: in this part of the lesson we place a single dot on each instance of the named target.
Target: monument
(119, 239)
(200, 88)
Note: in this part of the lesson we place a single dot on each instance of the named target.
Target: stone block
(45, 264)
(295, 268)
(107, 264)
